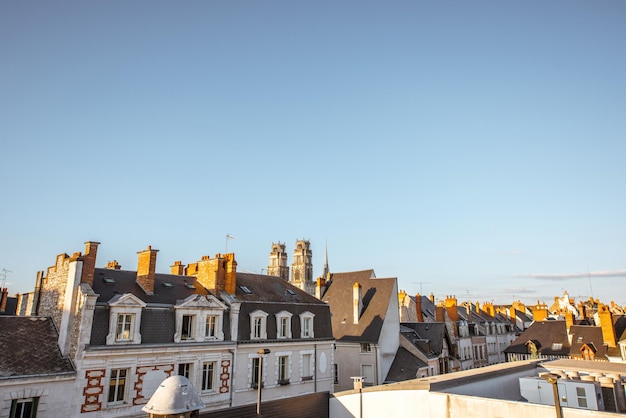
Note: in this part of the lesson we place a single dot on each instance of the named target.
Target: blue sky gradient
(473, 149)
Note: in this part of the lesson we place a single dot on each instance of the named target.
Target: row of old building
(110, 336)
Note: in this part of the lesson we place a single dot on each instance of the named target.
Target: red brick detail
(92, 390)
(139, 399)
(225, 376)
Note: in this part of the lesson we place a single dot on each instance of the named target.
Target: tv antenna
(228, 236)
(4, 277)
(421, 283)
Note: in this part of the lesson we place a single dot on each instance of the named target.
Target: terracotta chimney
(89, 262)
(439, 314)
(112, 265)
(418, 308)
(606, 323)
(218, 274)
(177, 268)
(451, 308)
(146, 268)
(357, 302)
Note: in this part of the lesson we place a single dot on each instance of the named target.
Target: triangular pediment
(201, 302)
(126, 300)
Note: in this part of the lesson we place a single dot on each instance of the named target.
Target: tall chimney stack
(146, 269)
(177, 268)
(89, 262)
(418, 308)
(357, 301)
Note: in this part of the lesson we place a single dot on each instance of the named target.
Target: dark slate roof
(589, 335)
(434, 332)
(544, 334)
(404, 367)
(428, 308)
(28, 346)
(268, 293)
(376, 294)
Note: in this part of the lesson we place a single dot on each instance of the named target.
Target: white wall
(53, 395)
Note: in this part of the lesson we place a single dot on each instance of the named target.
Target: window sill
(307, 378)
(283, 382)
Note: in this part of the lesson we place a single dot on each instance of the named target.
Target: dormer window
(306, 325)
(258, 325)
(199, 318)
(125, 318)
(283, 324)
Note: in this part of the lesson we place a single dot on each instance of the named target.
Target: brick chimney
(432, 298)
(468, 310)
(569, 320)
(113, 265)
(177, 268)
(439, 313)
(219, 273)
(418, 308)
(357, 302)
(4, 296)
(540, 311)
(146, 268)
(606, 323)
(320, 287)
(89, 262)
(451, 308)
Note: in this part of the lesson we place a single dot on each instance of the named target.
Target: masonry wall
(53, 287)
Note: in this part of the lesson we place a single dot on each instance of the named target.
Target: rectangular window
(24, 408)
(283, 368)
(257, 325)
(187, 331)
(254, 379)
(124, 327)
(117, 386)
(208, 375)
(367, 371)
(582, 399)
(366, 348)
(306, 327)
(335, 374)
(283, 328)
(306, 366)
(184, 369)
(211, 320)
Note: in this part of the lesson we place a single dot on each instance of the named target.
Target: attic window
(167, 285)
(579, 340)
(189, 286)
(557, 346)
(291, 292)
(109, 280)
(246, 290)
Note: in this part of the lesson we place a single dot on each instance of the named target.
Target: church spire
(326, 271)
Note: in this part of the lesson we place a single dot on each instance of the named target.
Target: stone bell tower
(278, 262)
(302, 267)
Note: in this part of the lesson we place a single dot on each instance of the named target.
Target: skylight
(189, 286)
(109, 280)
(167, 285)
(291, 292)
(246, 290)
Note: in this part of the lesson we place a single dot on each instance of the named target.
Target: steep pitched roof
(433, 332)
(28, 346)
(549, 337)
(405, 366)
(587, 335)
(376, 295)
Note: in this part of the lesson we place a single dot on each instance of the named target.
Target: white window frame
(262, 317)
(200, 308)
(188, 333)
(125, 306)
(211, 327)
(365, 348)
(307, 365)
(307, 318)
(366, 376)
(283, 325)
(124, 390)
(213, 376)
(283, 370)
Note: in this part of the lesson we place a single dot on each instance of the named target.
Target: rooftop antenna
(421, 283)
(228, 236)
(4, 276)
(589, 278)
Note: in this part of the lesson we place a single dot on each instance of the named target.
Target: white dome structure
(175, 395)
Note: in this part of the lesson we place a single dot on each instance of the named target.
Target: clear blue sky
(472, 148)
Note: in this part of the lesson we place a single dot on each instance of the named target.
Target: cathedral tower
(302, 267)
(278, 262)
